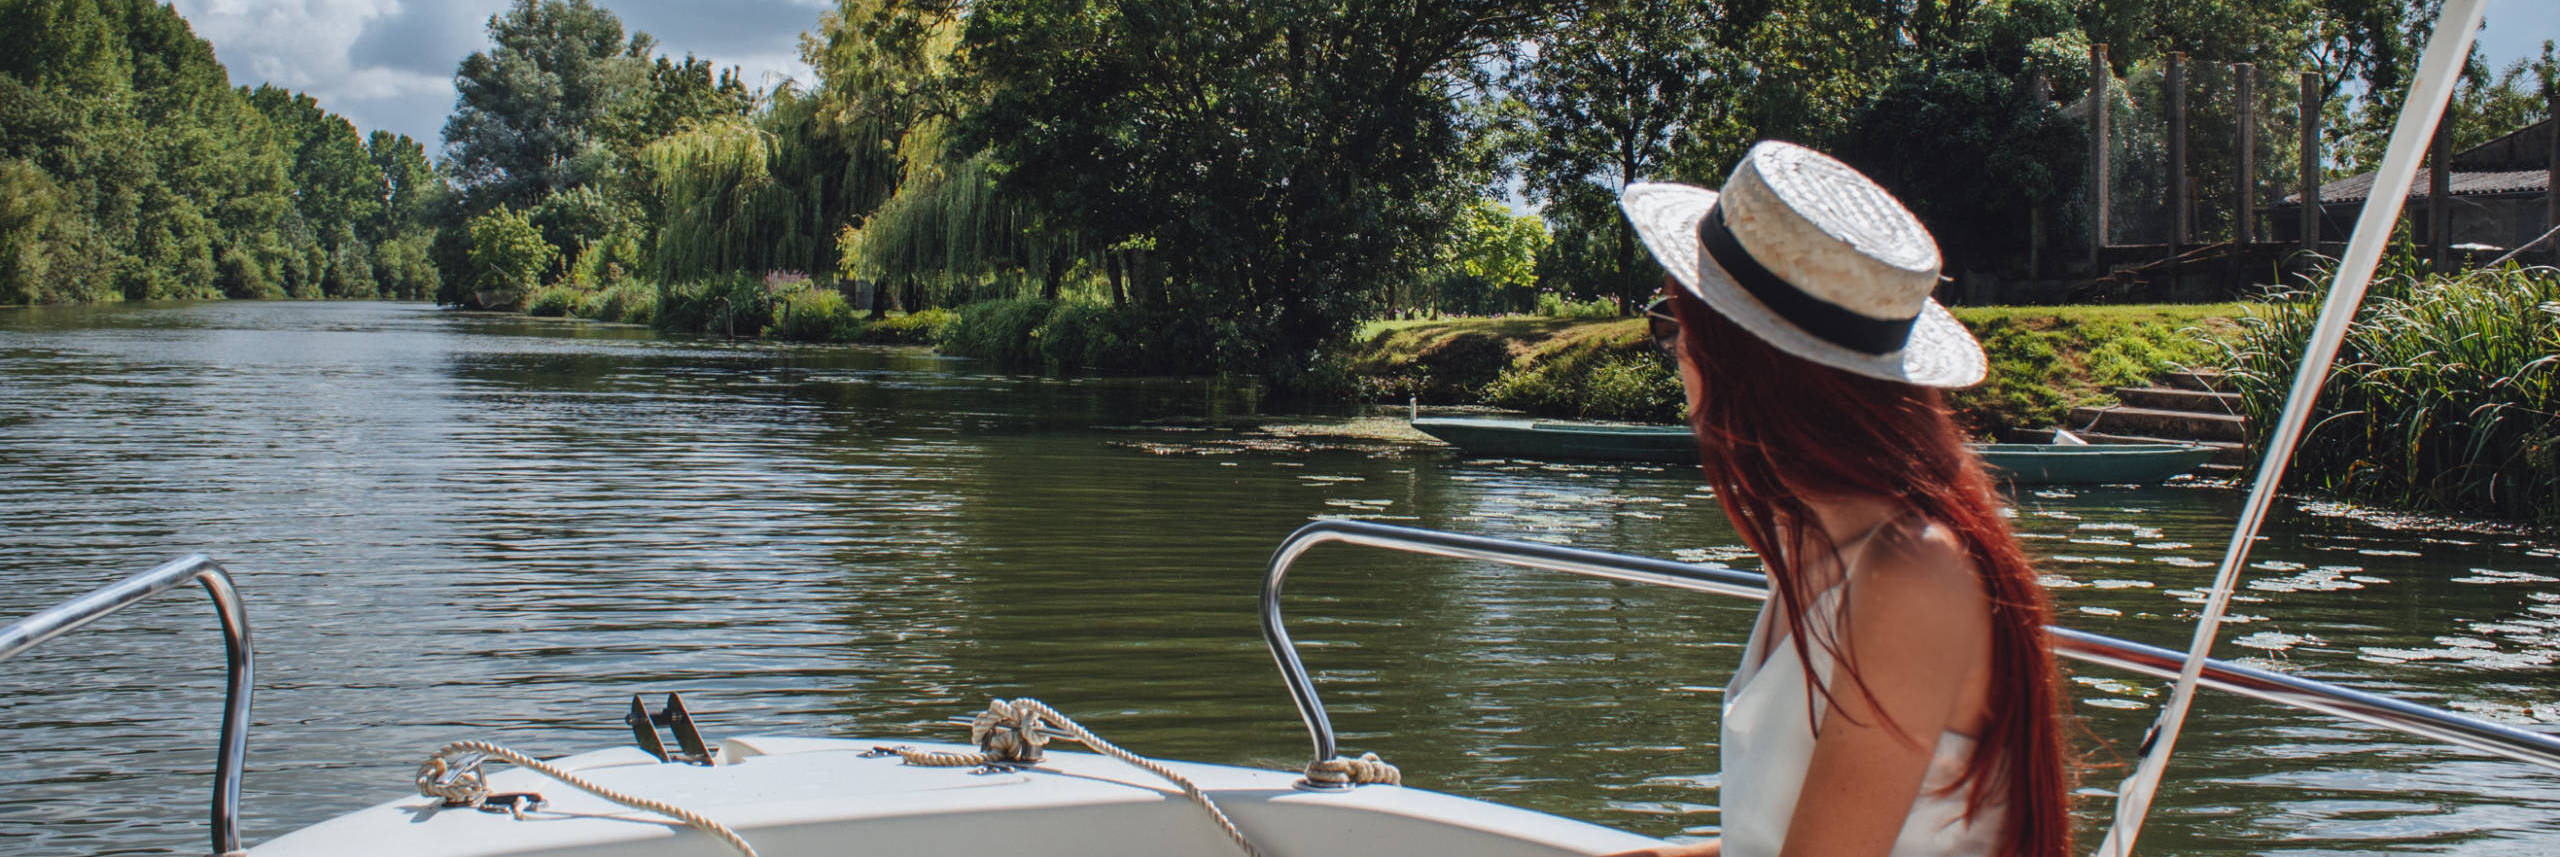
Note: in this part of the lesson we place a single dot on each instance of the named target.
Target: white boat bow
(803, 797)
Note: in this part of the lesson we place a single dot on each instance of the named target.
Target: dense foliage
(2445, 395)
(1141, 185)
(131, 169)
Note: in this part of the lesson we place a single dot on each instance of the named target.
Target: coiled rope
(1343, 771)
(452, 774)
(1012, 732)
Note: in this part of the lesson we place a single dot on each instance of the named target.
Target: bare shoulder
(1918, 582)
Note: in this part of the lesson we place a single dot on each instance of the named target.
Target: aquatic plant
(2444, 397)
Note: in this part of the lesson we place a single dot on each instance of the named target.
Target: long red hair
(1772, 427)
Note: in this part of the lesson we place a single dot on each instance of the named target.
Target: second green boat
(2021, 463)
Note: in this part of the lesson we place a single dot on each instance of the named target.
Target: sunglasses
(1664, 326)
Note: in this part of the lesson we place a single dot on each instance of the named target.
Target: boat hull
(802, 797)
(2019, 463)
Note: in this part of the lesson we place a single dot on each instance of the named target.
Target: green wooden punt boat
(2021, 463)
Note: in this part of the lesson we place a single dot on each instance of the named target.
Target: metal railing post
(2410, 718)
(231, 754)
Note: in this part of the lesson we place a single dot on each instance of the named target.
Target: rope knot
(1009, 731)
(453, 775)
(1346, 771)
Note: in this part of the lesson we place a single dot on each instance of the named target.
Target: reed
(2445, 396)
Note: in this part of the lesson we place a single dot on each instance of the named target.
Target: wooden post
(2244, 218)
(2551, 167)
(2311, 162)
(2101, 100)
(2440, 186)
(2175, 79)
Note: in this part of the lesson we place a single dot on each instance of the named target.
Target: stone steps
(2159, 423)
(2179, 399)
(2195, 406)
(2207, 380)
(2226, 453)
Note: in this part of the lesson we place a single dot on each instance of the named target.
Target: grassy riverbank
(2044, 361)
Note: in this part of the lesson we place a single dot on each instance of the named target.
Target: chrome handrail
(2494, 738)
(231, 754)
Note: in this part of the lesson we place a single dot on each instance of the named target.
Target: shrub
(815, 315)
(1593, 380)
(736, 306)
(922, 327)
(629, 303)
(2444, 396)
(1080, 336)
(552, 301)
(1437, 369)
(1554, 305)
(1000, 331)
(508, 255)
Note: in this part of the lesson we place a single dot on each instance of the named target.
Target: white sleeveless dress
(1768, 743)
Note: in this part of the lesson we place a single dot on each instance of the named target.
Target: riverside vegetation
(1164, 187)
(2445, 395)
(1237, 187)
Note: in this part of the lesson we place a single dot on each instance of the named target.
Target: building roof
(2526, 148)
(2462, 183)
(2516, 163)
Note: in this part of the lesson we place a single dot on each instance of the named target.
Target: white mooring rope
(471, 789)
(1009, 732)
(1012, 732)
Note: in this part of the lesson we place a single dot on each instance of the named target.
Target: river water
(464, 526)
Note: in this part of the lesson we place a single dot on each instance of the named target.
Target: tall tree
(409, 184)
(531, 115)
(158, 180)
(1286, 157)
(1614, 94)
(337, 186)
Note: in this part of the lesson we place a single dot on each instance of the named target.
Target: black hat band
(1833, 323)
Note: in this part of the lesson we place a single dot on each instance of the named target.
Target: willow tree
(923, 216)
(739, 196)
(951, 232)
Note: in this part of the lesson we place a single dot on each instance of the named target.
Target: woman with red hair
(1898, 695)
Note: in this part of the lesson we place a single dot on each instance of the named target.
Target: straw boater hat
(1816, 259)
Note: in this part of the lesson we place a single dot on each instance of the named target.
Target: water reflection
(482, 526)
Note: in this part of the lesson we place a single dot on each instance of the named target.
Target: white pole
(2437, 70)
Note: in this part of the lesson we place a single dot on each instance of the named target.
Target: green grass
(2044, 361)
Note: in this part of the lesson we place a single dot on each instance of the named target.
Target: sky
(389, 64)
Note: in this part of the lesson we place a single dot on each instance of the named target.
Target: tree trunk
(1057, 272)
(1111, 271)
(1627, 279)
